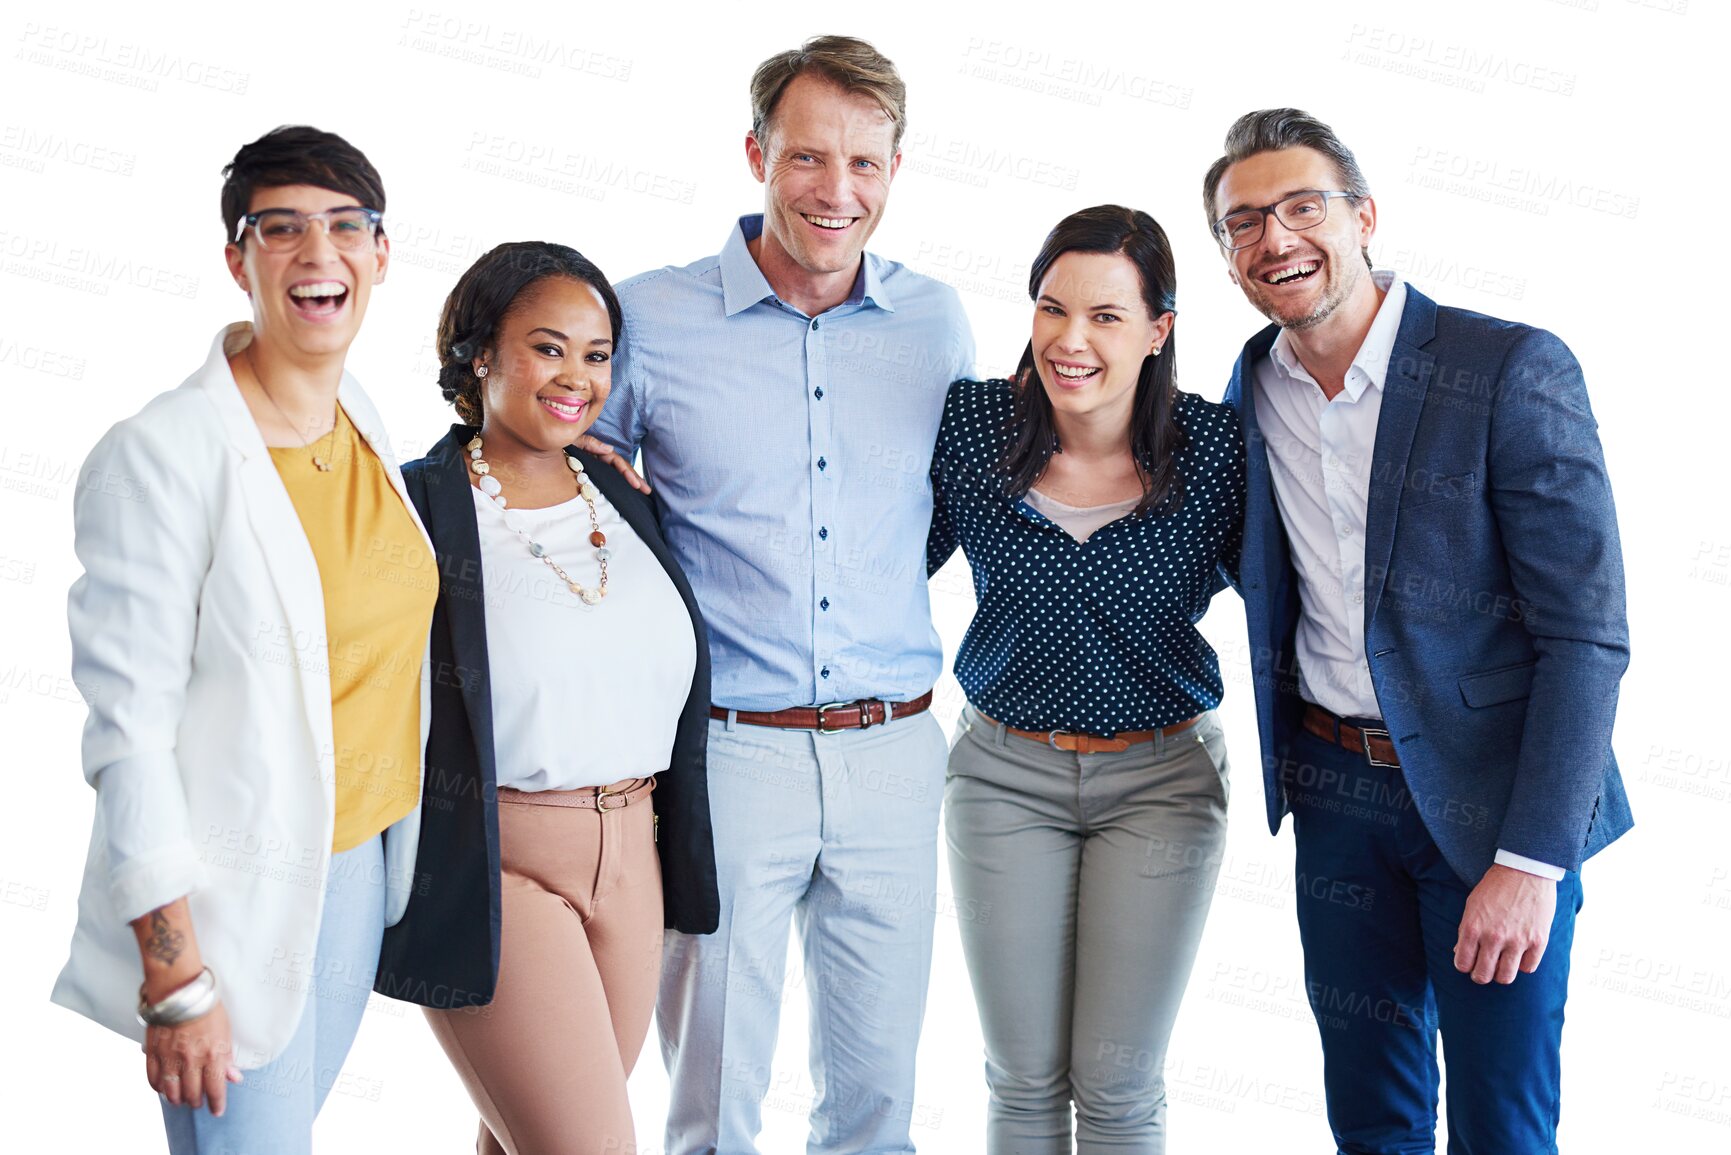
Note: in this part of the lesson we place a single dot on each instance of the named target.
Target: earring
(481, 372)
(1156, 350)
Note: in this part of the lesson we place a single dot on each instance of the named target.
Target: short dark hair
(1272, 129)
(487, 292)
(1155, 437)
(297, 154)
(850, 64)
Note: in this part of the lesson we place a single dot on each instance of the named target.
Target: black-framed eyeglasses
(1301, 210)
(282, 230)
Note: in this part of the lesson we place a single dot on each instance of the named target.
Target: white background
(1551, 161)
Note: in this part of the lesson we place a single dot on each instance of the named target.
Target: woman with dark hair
(1085, 806)
(254, 675)
(571, 680)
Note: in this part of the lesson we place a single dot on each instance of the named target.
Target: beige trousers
(579, 959)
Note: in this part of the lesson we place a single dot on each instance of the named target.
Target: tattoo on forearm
(165, 944)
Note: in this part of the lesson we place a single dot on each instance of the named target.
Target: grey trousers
(1087, 878)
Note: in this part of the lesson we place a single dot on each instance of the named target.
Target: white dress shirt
(582, 695)
(1319, 456)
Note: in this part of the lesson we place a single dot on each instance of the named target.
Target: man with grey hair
(1434, 591)
(786, 397)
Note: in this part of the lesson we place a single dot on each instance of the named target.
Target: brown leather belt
(1075, 742)
(1376, 745)
(828, 719)
(615, 796)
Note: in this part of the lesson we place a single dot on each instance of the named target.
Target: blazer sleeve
(141, 533)
(1551, 499)
(685, 836)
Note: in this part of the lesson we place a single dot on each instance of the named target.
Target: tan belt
(616, 796)
(1075, 742)
(1376, 745)
(858, 715)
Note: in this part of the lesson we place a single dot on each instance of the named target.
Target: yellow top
(380, 584)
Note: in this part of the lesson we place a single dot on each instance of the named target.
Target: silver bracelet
(194, 1000)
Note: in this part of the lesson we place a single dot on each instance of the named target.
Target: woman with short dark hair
(578, 683)
(1085, 805)
(251, 626)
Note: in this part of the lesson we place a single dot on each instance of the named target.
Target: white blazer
(198, 640)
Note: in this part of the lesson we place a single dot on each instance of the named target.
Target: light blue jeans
(272, 1112)
(839, 832)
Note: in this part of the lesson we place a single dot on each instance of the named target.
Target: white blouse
(582, 695)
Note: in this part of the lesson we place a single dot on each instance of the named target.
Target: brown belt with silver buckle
(1377, 746)
(828, 719)
(1074, 742)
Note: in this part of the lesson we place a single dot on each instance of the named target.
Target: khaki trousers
(579, 959)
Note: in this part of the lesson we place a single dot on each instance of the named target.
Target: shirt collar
(744, 285)
(1370, 364)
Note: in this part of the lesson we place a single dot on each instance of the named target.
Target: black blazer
(445, 950)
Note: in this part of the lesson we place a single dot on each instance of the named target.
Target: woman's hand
(191, 1064)
(590, 444)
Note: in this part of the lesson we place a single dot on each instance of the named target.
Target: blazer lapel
(277, 527)
(1403, 396)
(451, 509)
(1264, 555)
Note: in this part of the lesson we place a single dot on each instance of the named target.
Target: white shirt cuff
(1530, 866)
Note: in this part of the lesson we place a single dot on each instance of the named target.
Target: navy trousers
(1379, 912)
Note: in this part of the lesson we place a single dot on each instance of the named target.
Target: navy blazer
(1494, 620)
(445, 951)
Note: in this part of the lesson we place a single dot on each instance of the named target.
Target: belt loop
(732, 721)
(1159, 743)
(1000, 734)
(889, 713)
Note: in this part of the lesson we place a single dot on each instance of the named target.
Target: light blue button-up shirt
(790, 457)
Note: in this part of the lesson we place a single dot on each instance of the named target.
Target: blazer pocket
(1424, 487)
(1496, 686)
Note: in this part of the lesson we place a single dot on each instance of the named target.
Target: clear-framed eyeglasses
(1301, 210)
(283, 230)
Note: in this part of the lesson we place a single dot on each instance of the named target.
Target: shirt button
(816, 324)
(823, 533)
(824, 604)
(818, 392)
(822, 464)
(824, 671)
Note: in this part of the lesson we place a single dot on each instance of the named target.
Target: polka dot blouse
(1099, 636)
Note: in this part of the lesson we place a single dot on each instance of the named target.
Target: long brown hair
(1155, 437)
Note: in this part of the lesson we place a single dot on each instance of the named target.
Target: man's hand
(605, 452)
(1506, 925)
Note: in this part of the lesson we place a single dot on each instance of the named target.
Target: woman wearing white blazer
(250, 633)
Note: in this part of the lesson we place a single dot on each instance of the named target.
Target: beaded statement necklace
(489, 485)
